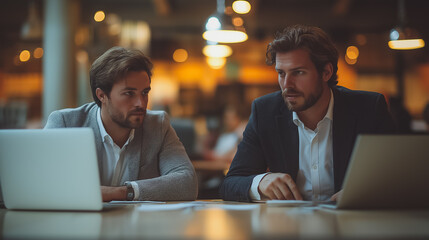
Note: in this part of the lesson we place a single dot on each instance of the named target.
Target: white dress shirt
(113, 158)
(315, 179)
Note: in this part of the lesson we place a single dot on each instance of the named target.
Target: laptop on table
(53, 169)
(385, 172)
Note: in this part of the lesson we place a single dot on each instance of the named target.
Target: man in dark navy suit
(298, 141)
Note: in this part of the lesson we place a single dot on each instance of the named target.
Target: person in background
(226, 144)
(298, 141)
(426, 116)
(139, 155)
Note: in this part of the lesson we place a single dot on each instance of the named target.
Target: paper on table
(134, 202)
(289, 203)
(198, 205)
(234, 206)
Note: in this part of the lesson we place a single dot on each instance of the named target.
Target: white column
(58, 87)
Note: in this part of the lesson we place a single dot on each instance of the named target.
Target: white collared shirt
(113, 167)
(315, 179)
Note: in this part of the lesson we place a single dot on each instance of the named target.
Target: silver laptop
(54, 169)
(387, 171)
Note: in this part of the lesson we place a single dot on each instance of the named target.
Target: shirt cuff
(253, 191)
(136, 190)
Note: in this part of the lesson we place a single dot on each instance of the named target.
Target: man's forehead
(293, 59)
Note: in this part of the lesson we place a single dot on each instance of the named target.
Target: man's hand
(113, 193)
(336, 197)
(278, 186)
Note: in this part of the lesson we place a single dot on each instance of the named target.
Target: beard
(309, 100)
(133, 119)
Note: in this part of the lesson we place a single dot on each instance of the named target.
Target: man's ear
(327, 72)
(101, 95)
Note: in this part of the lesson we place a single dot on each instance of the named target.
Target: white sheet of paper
(197, 205)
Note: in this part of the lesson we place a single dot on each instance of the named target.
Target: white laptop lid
(387, 171)
(53, 169)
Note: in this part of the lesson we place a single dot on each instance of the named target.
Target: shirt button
(314, 167)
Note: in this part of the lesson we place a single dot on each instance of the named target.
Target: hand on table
(336, 197)
(113, 193)
(278, 186)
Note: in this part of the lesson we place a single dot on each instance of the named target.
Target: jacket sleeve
(177, 180)
(248, 162)
(55, 120)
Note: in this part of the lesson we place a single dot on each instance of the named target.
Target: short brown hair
(115, 64)
(312, 39)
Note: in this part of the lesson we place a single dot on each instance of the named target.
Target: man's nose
(287, 82)
(140, 101)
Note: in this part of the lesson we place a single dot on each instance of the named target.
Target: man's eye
(129, 93)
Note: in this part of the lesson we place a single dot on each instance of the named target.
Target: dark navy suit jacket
(270, 140)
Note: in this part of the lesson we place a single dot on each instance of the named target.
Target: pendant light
(219, 27)
(402, 37)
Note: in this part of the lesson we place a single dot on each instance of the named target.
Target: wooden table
(216, 220)
(205, 165)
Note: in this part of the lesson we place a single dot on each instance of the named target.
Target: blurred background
(47, 48)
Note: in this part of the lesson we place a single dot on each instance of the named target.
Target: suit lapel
(343, 135)
(132, 156)
(98, 141)
(289, 142)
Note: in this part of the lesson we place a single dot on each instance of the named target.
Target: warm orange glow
(180, 55)
(216, 63)
(23, 85)
(217, 51)
(24, 56)
(237, 21)
(352, 52)
(350, 61)
(347, 75)
(258, 74)
(99, 16)
(228, 10)
(38, 53)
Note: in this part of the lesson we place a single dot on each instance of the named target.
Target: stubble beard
(308, 101)
(126, 122)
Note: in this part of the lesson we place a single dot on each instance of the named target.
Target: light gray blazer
(155, 158)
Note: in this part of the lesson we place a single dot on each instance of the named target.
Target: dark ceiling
(181, 21)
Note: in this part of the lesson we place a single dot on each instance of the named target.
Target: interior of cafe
(206, 85)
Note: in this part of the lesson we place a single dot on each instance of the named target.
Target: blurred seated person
(226, 144)
(426, 116)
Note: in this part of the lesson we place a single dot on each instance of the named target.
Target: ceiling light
(220, 28)
(404, 38)
(241, 7)
(217, 51)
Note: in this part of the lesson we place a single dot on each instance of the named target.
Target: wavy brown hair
(115, 64)
(312, 39)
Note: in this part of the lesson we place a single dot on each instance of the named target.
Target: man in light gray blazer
(139, 154)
